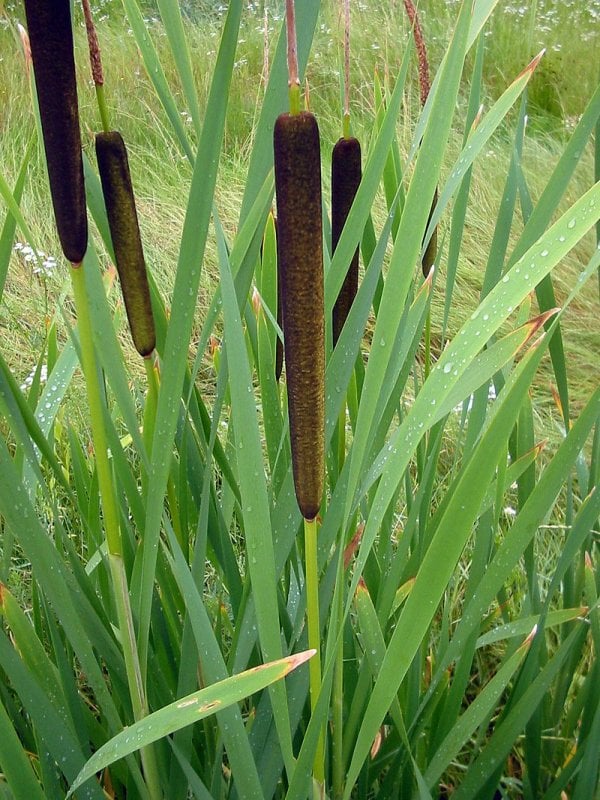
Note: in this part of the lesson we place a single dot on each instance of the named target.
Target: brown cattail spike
(125, 235)
(345, 180)
(51, 38)
(94, 47)
(300, 251)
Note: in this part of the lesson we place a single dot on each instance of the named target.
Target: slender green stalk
(292, 58)
(337, 738)
(151, 401)
(428, 344)
(111, 522)
(102, 107)
(314, 635)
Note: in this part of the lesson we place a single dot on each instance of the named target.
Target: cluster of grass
(458, 636)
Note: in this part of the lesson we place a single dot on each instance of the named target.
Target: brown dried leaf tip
(300, 251)
(51, 39)
(125, 234)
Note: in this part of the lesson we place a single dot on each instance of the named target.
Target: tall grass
(165, 589)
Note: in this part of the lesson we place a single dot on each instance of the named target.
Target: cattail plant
(125, 234)
(119, 200)
(346, 173)
(120, 206)
(300, 252)
(345, 180)
(297, 157)
(51, 40)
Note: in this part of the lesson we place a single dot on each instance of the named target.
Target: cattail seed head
(125, 234)
(300, 252)
(51, 39)
(345, 180)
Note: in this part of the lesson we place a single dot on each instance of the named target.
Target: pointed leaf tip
(299, 658)
(531, 637)
(531, 67)
(537, 322)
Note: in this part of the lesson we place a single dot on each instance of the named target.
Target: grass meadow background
(505, 707)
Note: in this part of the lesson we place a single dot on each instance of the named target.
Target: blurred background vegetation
(560, 88)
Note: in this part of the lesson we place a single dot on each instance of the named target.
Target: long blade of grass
(184, 300)
(459, 211)
(187, 711)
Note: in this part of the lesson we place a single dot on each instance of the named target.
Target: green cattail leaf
(51, 41)
(345, 179)
(126, 239)
(300, 250)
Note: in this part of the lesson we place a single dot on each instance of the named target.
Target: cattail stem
(95, 63)
(346, 126)
(314, 634)
(347, 65)
(292, 58)
(102, 108)
(428, 344)
(111, 522)
(337, 738)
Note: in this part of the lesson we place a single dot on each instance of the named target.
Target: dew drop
(544, 253)
(447, 368)
(571, 224)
